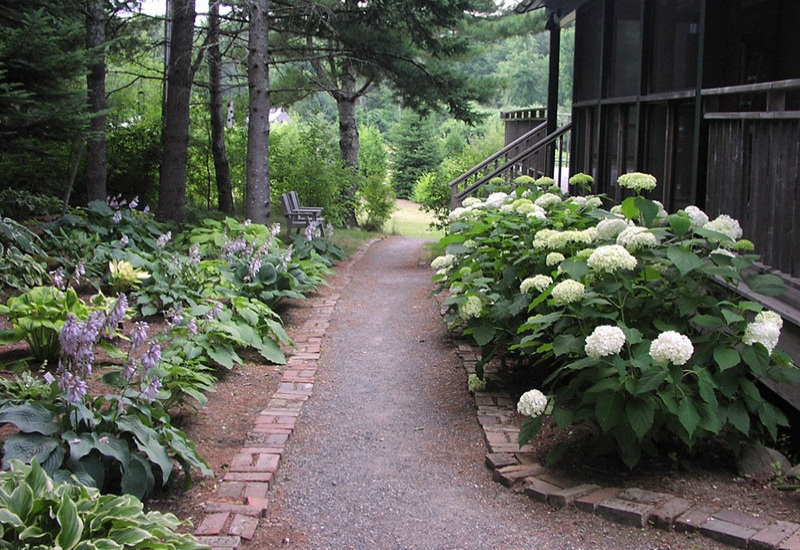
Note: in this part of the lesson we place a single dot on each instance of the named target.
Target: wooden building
(703, 94)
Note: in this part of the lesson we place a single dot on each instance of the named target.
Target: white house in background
(278, 116)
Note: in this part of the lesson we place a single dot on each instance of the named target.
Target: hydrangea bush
(628, 318)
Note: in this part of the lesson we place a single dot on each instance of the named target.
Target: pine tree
(416, 152)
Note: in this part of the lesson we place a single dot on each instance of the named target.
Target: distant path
(388, 454)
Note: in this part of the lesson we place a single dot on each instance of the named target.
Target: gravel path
(388, 454)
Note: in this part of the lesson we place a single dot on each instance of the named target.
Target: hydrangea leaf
(766, 284)
(609, 409)
(737, 415)
(726, 357)
(684, 260)
(641, 413)
(688, 415)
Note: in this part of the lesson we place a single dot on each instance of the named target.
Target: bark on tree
(175, 136)
(257, 203)
(220, 155)
(349, 143)
(96, 150)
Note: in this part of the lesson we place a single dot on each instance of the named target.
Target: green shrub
(22, 205)
(41, 513)
(618, 316)
(22, 259)
(376, 205)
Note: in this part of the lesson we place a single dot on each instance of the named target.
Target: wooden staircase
(531, 154)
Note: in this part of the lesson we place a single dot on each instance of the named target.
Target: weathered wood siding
(753, 176)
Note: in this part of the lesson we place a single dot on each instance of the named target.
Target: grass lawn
(409, 221)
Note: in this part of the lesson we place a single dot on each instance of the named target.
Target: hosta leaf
(157, 454)
(640, 414)
(112, 446)
(25, 447)
(21, 501)
(726, 357)
(270, 351)
(8, 517)
(129, 536)
(71, 524)
(30, 417)
(137, 478)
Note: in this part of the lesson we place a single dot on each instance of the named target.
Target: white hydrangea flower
(538, 213)
(472, 307)
(470, 244)
(506, 209)
(765, 330)
(611, 258)
(568, 291)
(578, 200)
(532, 403)
(671, 346)
(584, 253)
(496, 199)
(523, 206)
(594, 202)
(609, 228)
(443, 262)
(538, 282)
(661, 217)
(603, 341)
(475, 383)
(726, 225)
(637, 181)
(457, 213)
(547, 200)
(633, 238)
(552, 239)
(617, 210)
(471, 201)
(698, 217)
(554, 258)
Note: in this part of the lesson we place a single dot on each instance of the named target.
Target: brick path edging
(516, 468)
(241, 500)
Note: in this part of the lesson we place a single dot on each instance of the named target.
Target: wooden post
(552, 87)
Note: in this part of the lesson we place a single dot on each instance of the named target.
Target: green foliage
(432, 193)
(114, 443)
(22, 205)
(416, 152)
(376, 205)
(37, 317)
(22, 259)
(533, 275)
(134, 157)
(304, 157)
(372, 158)
(42, 513)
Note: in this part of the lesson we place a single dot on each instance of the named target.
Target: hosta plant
(628, 319)
(39, 513)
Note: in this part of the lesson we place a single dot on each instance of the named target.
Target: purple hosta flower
(151, 357)
(274, 230)
(134, 202)
(72, 387)
(77, 275)
(113, 202)
(255, 267)
(214, 312)
(138, 334)
(117, 217)
(287, 256)
(146, 209)
(175, 316)
(150, 392)
(129, 369)
(123, 242)
(191, 326)
(77, 340)
(163, 240)
(194, 254)
(116, 315)
(234, 247)
(58, 279)
(247, 222)
(311, 229)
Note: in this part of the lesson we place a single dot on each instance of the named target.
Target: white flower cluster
(547, 200)
(609, 228)
(532, 403)
(496, 200)
(698, 217)
(443, 262)
(603, 341)
(554, 258)
(475, 383)
(538, 282)
(568, 291)
(470, 202)
(726, 225)
(671, 346)
(633, 238)
(551, 239)
(611, 258)
(472, 307)
(545, 182)
(538, 213)
(637, 181)
(591, 201)
(458, 213)
(764, 330)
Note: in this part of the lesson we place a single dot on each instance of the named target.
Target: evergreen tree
(416, 152)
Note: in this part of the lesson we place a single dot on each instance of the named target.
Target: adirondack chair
(299, 217)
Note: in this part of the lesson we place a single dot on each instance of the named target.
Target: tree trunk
(96, 152)
(175, 136)
(221, 165)
(257, 203)
(349, 143)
